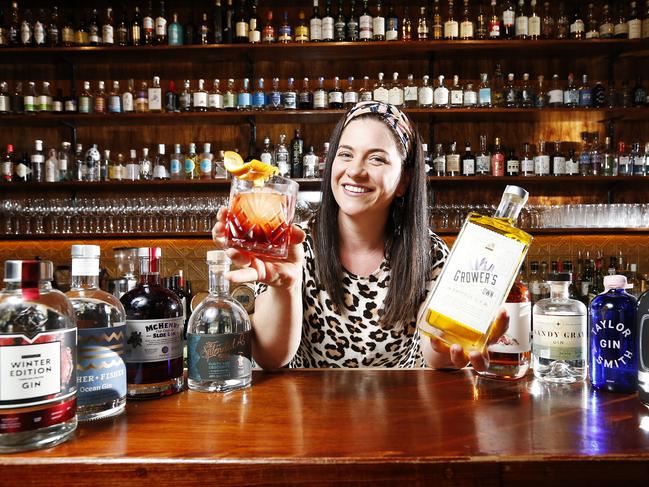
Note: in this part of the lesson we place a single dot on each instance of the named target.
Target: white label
(335, 97)
(161, 26)
(410, 93)
(441, 96)
(6, 168)
(30, 371)
(365, 27)
(215, 100)
(483, 164)
(316, 29)
(451, 29)
(85, 267)
(395, 96)
(350, 97)
(534, 26)
(266, 158)
(241, 29)
(107, 34)
(127, 101)
(381, 94)
(559, 165)
(557, 337)
(476, 277)
(470, 98)
(517, 337)
(453, 163)
(378, 25)
(527, 165)
(542, 165)
(635, 29)
(439, 164)
(466, 30)
(456, 97)
(328, 28)
(199, 99)
(555, 96)
(154, 340)
(319, 99)
(392, 35)
(51, 171)
(39, 33)
(572, 166)
(512, 166)
(160, 172)
(521, 26)
(254, 36)
(38, 158)
(155, 99)
(426, 96)
(22, 170)
(468, 167)
(4, 104)
(508, 17)
(132, 171)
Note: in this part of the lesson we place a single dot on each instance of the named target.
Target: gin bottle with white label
(219, 335)
(38, 359)
(477, 277)
(154, 333)
(559, 349)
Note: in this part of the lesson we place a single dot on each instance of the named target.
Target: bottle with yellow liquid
(477, 276)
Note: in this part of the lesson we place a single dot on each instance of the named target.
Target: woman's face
(367, 171)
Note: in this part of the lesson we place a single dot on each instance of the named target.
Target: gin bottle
(614, 338)
(219, 335)
(101, 373)
(38, 357)
(559, 336)
(642, 320)
(154, 333)
(477, 277)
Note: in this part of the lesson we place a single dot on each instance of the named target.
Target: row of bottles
(497, 93)
(591, 159)
(242, 24)
(92, 351)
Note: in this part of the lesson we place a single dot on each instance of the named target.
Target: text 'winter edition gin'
(478, 275)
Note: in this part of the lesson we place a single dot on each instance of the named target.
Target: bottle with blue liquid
(614, 338)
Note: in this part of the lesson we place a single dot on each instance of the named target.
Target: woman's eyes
(376, 160)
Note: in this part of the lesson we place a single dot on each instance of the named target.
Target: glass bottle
(219, 335)
(37, 163)
(541, 161)
(563, 25)
(53, 30)
(497, 98)
(206, 162)
(613, 338)
(468, 161)
(128, 98)
(456, 94)
(453, 161)
(282, 157)
(556, 94)
(268, 31)
(274, 97)
(484, 91)
(289, 96)
(175, 31)
(191, 163)
(115, 99)
(642, 330)
(439, 161)
(241, 26)
(266, 155)
(392, 23)
(527, 161)
(526, 94)
(99, 99)
(609, 161)
(510, 356)
(481, 24)
(558, 162)
(483, 159)
(437, 27)
(7, 165)
(365, 24)
(297, 153)
(409, 93)
(101, 322)
(320, 96)
(37, 326)
(45, 101)
(285, 31)
(30, 99)
(624, 162)
(161, 164)
(395, 93)
(451, 26)
(511, 97)
(107, 29)
(176, 163)
(463, 305)
(497, 160)
(560, 361)
(512, 164)
(51, 167)
(470, 96)
(327, 23)
(509, 20)
(160, 25)
(350, 96)
(547, 23)
(466, 26)
(534, 23)
(495, 27)
(230, 97)
(352, 30)
(335, 95)
(441, 94)
(258, 97)
(154, 326)
(301, 29)
(423, 29)
(521, 28)
(380, 91)
(146, 166)
(315, 24)
(378, 23)
(639, 168)
(365, 93)
(621, 28)
(577, 26)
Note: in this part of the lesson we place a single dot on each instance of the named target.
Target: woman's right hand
(275, 273)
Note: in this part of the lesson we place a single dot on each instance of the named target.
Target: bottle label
(215, 100)
(534, 26)
(555, 96)
(160, 172)
(22, 170)
(206, 166)
(127, 101)
(219, 357)
(439, 164)
(381, 94)
(378, 26)
(244, 100)
(476, 277)
(44, 103)
(522, 25)
(517, 337)
(577, 27)
(466, 30)
(114, 104)
(470, 98)
(512, 166)
(155, 99)
(132, 171)
(542, 165)
(451, 29)
(101, 373)
(289, 100)
(494, 30)
(154, 340)
(70, 105)
(107, 34)
(229, 100)
(456, 98)
(468, 167)
(335, 97)
(174, 166)
(4, 104)
(39, 34)
(392, 29)
(266, 157)
(441, 96)
(116, 173)
(190, 165)
(316, 29)
(558, 166)
(161, 27)
(39, 370)
(621, 29)
(635, 29)
(645, 28)
(557, 337)
(51, 170)
(498, 164)
(365, 27)
(352, 97)
(242, 29)
(29, 103)
(6, 169)
(572, 166)
(483, 164)
(259, 99)
(453, 163)
(508, 18)
(327, 28)
(200, 99)
(612, 346)
(276, 99)
(301, 33)
(410, 93)
(57, 106)
(484, 95)
(319, 99)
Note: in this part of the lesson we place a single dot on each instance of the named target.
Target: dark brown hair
(407, 243)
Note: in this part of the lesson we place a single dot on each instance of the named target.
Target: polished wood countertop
(353, 426)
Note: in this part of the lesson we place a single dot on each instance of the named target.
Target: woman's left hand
(479, 361)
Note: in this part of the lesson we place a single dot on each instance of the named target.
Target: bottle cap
(150, 252)
(559, 277)
(218, 257)
(28, 270)
(615, 281)
(517, 191)
(86, 251)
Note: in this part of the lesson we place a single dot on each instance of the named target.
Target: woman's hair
(407, 242)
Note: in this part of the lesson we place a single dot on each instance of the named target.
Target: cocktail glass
(260, 215)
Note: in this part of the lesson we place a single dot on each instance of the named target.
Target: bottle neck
(559, 290)
(219, 285)
(85, 273)
(509, 208)
(85, 282)
(149, 271)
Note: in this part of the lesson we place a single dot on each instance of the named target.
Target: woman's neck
(361, 244)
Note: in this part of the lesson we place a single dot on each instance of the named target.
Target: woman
(349, 291)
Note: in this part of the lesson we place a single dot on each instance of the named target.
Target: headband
(391, 115)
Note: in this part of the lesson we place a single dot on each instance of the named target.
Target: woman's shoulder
(438, 249)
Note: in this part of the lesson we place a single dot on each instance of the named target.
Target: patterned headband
(391, 115)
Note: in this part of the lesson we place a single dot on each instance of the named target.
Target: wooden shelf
(330, 50)
(329, 115)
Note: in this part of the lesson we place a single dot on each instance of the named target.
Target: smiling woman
(349, 291)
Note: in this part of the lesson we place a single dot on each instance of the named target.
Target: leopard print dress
(356, 339)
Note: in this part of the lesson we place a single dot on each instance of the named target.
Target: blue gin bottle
(614, 338)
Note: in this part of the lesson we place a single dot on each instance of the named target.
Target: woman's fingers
(247, 274)
(457, 356)
(499, 327)
(478, 361)
(439, 346)
(297, 235)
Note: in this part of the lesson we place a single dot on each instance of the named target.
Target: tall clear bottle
(477, 276)
(38, 359)
(101, 323)
(154, 332)
(219, 335)
(559, 347)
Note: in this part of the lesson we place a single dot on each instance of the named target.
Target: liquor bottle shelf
(328, 115)
(330, 50)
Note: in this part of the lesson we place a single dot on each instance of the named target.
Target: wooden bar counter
(358, 426)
